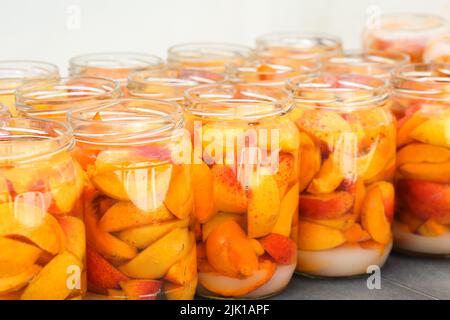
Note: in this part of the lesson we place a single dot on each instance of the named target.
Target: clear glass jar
(438, 50)
(406, 32)
(52, 99)
(169, 84)
(42, 234)
(378, 64)
(15, 72)
(210, 56)
(297, 45)
(245, 169)
(138, 199)
(347, 149)
(272, 71)
(421, 103)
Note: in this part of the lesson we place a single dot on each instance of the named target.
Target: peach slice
(124, 214)
(412, 222)
(421, 152)
(18, 281)
(110, 184)
(285, 173)
(384, 152)
(156, 260)
(142, 237)
(288, 208)
(235, 287)
(310, 160)
(328, 178)
(374, 218)
(185, 270)
(202, 185)
(263, 205)
(356, 234)
(432, 229)
(141, 289)
(388, 195)
(257, 247)
(75, 235)
(179, 197)
(314, 237)
(229, 251)
(16, 256)
(282, 249)
(327, 206)
(22, 180)
(229, 195)
(32, 223)
(52, 282)
(360, 195)
(102, 274)
(435, 172)
(434, 131)
(409, 123)
(208, 227)
(186, 292)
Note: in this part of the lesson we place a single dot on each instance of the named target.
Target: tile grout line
(398, 283)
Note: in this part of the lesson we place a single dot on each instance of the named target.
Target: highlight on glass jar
(15, 72)
(347, 149)
(52, 99)
(138, 200)
(210, 56)
(42, 233)
(272, 71)
(438, 50)
(245, 181)
(421, 103)
(379, 64)
(407, 32)
(297, 45)
(169, 84)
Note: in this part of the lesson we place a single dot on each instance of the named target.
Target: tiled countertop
(401, 278)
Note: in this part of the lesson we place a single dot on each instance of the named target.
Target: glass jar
(42, 234)
(347, 148)
(421, 102)
(52, 99)
(245, 169)
(13, 73)
(210, 56)
(169, 84)
(139, 201)
(272, 71)
(297, 45)
(378, 64)
(406, 32)
(438, 50)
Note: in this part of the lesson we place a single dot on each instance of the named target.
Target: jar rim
(119, 59)
(410, 22)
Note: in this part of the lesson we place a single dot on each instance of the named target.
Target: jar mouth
(24, 140)
(237, 101)
(340, 91)
(53, 97)
(14, 72)
(125, 122)
(423, 81)
(411, 22)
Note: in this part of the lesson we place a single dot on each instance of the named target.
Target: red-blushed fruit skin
(426, 200)
(101, 273)
(141, 289)
(282, 249)
(330, 206)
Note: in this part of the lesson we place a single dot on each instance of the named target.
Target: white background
(55, 30)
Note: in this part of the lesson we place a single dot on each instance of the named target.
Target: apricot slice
(285, 173)
(384, 152)
(405, 128)
(74, 235)
(360, 194)
(229, 195)
(435, 172)
(434, 131)
(314, 237)
(431, 229)
(101, 273)
(16, 256)
(110, 184)
(155, 261)
(327, 206)
(18, 281)
(124, 214)
(263, 205)
(310, 160)
(141, 289)
(202, 185)
(235, 287)
(208, 227)
(52, 282)
(288, 208)
(142, 237)
(421, 152)
(229, 251)
(282, 249)
(179, 197)
(66, 192)
(328, 178)
(374, 218)
(186, 292)
(356, 234)
(185, 270)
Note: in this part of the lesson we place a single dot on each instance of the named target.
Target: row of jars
(227, 189)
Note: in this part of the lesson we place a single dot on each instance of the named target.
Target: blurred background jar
(245, 185)
(52, 99)
(211, 56)
(438, 50)
(421, 102)
(406, 32)
(42, 234)
(347, 149)
(15, 72)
